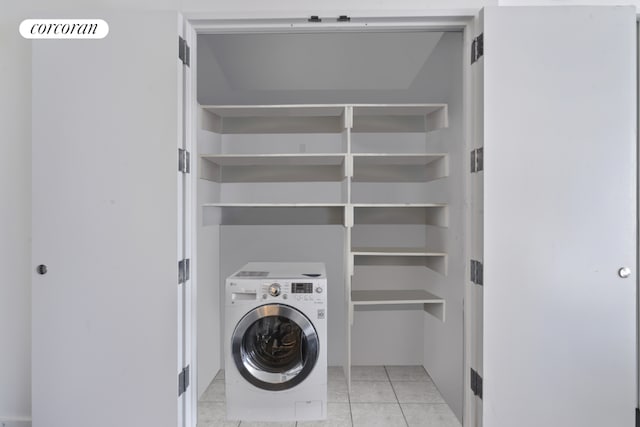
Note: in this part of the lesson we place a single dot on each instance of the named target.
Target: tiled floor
(386, 396)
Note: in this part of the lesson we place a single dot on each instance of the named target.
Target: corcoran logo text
(64, 28)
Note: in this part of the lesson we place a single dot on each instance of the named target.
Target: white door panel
(559, 216)
(105, 129)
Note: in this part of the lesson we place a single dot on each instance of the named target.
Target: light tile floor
(386, 396)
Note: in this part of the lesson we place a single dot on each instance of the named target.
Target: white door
(105, 315)
(559, 216)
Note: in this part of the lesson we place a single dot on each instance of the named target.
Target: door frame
(637, 266)
(187, 206)
(442, 20)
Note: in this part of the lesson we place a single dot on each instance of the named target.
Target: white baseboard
(6, 422)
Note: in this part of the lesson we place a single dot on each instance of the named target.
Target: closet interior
(349, 149)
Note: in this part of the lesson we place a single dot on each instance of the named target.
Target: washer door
(275, 347)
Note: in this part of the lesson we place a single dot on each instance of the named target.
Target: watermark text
(64, 28)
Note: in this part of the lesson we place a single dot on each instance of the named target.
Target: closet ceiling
(318, 62)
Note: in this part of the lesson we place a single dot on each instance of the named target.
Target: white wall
(15, 220)
(15, 163)
(566, 2)
(327, 8)
(443, 346)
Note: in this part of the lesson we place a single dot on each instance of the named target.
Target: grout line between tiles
(396, 395)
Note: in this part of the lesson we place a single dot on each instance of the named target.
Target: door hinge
(183, 380)
(476, 383)
(477, 160)
(476, 272)
(184, 52)
(184, 161)
(477, 48)
(184, 270)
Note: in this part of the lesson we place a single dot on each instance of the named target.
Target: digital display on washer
(302, 288)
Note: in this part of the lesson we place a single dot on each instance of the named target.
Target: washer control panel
(301, 288)
(293, 290)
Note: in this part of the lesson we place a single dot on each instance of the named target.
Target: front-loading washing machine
(276, 342)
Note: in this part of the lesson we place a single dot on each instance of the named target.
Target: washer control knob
(319, 290)
(274, 289)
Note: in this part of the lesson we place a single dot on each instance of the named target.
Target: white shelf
(395, 159)
(307, 167)
(405, 252)
(303, 159)
(412, 167)
(401, 213)
(401, 257)
(274, 213)
(366, 205)
(234, 119)
(231, 119)
(399, 205)
(274, 205)
(429, 302)
(389, 297)
(399, 117)
(397, 109)
(285, 110)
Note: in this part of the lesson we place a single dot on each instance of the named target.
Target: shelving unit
(339, 164)
(275, 156)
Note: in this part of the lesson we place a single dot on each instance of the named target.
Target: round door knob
(624, 272)
(41, 269)
(274, 289)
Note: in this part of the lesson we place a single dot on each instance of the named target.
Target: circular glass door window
(275, 347)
